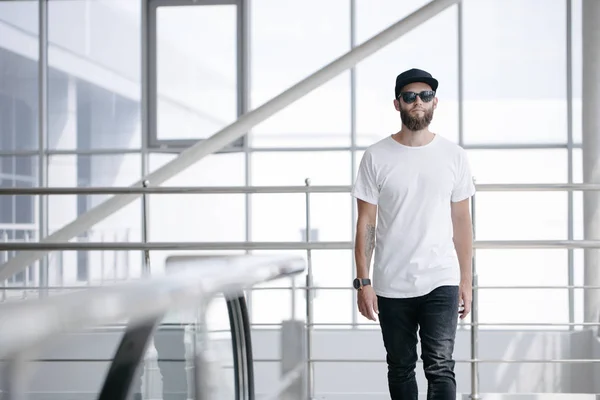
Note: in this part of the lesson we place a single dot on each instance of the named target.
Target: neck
(413, 138)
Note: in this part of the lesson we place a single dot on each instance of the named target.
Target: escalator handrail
(27, 325)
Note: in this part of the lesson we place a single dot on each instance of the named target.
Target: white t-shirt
(413, 188)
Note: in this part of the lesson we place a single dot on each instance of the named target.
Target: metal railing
(309, 245)
(26, 327)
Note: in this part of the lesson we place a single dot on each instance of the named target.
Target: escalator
(182, 335)
(122, 380)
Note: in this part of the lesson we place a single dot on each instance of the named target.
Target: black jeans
(435, 315)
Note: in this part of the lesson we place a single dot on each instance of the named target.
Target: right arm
(363, 252)
(365, 237)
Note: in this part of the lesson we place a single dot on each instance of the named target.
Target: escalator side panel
(127, 361)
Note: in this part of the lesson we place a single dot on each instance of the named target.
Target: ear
(435, 102)
(397, 105)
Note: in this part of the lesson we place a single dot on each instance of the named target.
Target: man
(413, 190)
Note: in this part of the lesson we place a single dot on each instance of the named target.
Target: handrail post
(474, 315)
(309, 310)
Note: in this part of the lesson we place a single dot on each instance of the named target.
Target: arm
(365, 237)
(363, 252)
(463, 243)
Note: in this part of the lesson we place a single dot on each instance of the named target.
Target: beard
(414, 122)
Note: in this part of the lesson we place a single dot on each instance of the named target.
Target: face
(417, 115)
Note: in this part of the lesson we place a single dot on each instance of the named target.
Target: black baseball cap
(414, 75)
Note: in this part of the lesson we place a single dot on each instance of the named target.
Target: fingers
(467, 309)
(368, 309)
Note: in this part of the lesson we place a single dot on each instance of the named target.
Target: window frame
(242, 93)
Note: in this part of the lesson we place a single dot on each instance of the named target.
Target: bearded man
(413, 190)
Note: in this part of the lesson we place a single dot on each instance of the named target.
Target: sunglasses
(410, 97)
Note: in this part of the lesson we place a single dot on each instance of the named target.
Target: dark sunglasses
(410, 97)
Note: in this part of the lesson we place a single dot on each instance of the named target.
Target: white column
(591, 150)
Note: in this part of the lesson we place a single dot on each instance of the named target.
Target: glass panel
(198, 217)
(538, 215)
(333, 268)
(196, 74)
(278, 217)
(519, 166)
(289, 168)
(18, 75)
(578, 264)
(333, 306)
(18, 214)
(123, 226)
(331, 218)
(376, 116)
(577, 66)
(577, 195)
(283, 53)
(94, 74)
(521, 216)
(523, 268)
(506, 91)
(219, 334)
(282, 217)
(271, 306)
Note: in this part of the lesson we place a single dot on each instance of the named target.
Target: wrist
(359, 283)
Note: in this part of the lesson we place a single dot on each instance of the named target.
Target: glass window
(282, 217)
(18, 212)
(507, 95)
(199, 217)
(577, 66)
(333, 306)
(18, 75)
(330, 216)
(519, 166)
(375, 76)
(94, 74)
(283, 53)
(196, 70)
(278, 217)
(521, 216)
(577, 196)
(546, 267)
(518, 215)
(579, 271)
(293, 168)
(331, 268)
(123, 226)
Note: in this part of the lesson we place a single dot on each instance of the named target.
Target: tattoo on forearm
(370, 243)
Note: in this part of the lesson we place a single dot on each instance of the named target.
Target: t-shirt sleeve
(365, 187)
(463, 186)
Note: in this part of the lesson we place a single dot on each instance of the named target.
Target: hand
(465, 296)
(367, 302)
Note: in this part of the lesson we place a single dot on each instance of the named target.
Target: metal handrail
(27, 325)
(485, 187)
(304, 288)
(342, 245)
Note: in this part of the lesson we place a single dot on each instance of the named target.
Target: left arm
(463, 243)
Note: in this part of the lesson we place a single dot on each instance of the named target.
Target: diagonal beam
(232, 132)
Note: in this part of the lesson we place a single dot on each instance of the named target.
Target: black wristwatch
(359, 283)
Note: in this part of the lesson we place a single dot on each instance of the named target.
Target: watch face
(356, 283)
